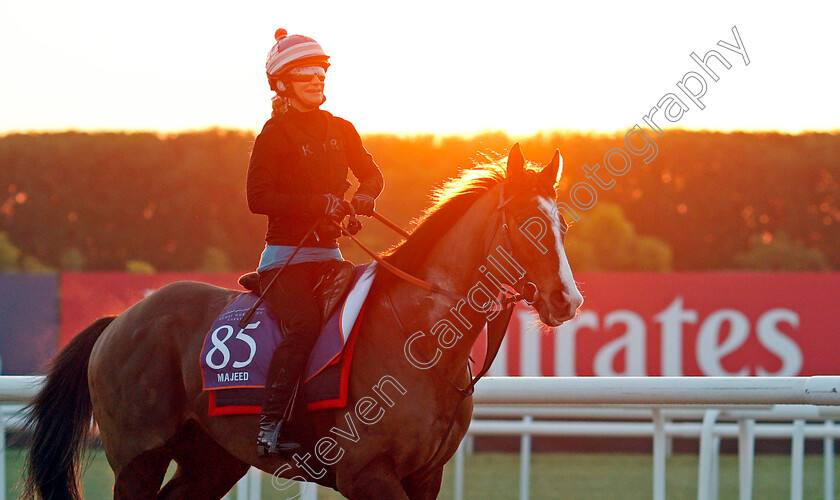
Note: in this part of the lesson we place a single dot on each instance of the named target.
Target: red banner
(638, 324)
(714, 324)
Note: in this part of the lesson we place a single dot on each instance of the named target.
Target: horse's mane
(449, 202)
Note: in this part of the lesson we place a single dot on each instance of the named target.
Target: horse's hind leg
(205, 469)
(208, 478)
(376, 480)
(142, 476)
(426, 487)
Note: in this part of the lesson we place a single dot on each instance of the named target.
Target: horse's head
(536, 231)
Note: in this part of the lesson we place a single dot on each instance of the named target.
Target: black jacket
(297, 158)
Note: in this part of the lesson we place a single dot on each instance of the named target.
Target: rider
(297, 177)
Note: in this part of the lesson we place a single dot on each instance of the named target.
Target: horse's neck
(454, 264)
(454, 261)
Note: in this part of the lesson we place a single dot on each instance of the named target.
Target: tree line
(144, 201)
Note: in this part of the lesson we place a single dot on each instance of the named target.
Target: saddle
(335, 278)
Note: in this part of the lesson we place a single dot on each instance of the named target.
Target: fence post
(715, 489)
(828, 464)
(308, 491)
(2, 454)
(525, 460)
(746, 457)
(797, 458)
(707, 448)
(254, 483)
(242, 487)
(660, 452)
(459, 471)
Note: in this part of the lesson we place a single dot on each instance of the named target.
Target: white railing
(721, 396)
(658, 390)
(663, 424)
(712, 392)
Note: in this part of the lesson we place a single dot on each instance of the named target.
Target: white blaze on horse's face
(557, 297)
(567, 301)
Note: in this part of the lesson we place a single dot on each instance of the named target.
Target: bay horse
(138, 376)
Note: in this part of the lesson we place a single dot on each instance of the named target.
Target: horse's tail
(60, 420)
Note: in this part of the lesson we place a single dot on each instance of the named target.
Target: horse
(490, 229)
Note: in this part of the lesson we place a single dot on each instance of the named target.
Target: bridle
(529, 289)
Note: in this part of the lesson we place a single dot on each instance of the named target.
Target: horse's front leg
(376, 480)
(425, 488)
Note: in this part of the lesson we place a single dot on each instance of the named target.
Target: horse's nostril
(559, 298)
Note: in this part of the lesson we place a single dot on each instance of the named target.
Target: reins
(398, 272)
(496, 327)
(507, 299)
(381, 218)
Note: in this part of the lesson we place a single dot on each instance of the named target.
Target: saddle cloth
(234, 361)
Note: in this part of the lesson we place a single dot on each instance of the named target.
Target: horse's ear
(551, 172)
(515, 164)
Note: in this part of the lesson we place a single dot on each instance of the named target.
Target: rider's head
(292, 59)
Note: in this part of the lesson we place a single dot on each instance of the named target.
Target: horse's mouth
(551, 316)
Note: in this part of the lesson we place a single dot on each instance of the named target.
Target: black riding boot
(292, 300)
(272, 440)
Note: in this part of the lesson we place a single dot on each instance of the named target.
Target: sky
(442, 67)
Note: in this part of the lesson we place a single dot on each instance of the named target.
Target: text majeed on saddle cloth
(234, 361)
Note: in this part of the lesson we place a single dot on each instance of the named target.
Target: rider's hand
(327, 230)
(354, 225)
(337, 208)
(363, 204)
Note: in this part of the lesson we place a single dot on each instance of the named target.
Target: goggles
(305, 75)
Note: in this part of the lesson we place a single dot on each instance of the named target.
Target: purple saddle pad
(238, 358)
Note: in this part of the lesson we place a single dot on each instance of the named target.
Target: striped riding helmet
(293, 51)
